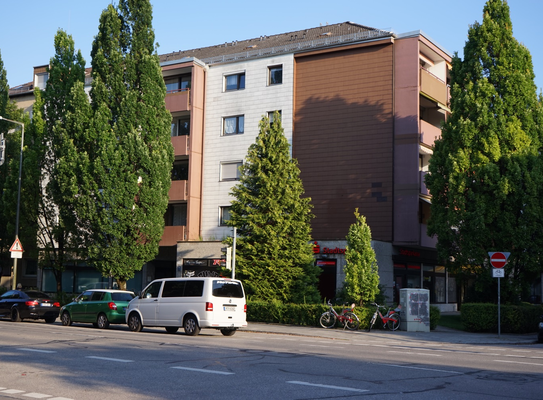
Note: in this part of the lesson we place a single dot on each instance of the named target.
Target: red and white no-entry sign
(498, 259)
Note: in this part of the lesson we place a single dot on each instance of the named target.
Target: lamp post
(14, 283)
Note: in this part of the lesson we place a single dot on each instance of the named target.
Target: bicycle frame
(392, 316)
(347, 317)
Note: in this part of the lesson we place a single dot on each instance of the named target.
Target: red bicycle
(347, 317)
(391, 319)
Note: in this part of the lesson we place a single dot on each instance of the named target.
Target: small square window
(271, 115)
(234, 82)
(233, 125)
(275, 75)
(180, 171)
(224, 215)
(181, 126)
(230, 171)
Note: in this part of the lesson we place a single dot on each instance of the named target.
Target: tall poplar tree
(274, 255)
(131, 161)
(361, 270)
(485, 173)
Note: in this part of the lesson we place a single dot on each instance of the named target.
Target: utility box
(415, 312)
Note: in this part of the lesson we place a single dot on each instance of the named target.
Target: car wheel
(172, 329)
(134, 322)
(102, 321)
(228, 331)
(191, 325)
(65, 319)
(15, 316)
(50, 320)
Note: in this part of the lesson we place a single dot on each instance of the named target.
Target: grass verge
(451, 321)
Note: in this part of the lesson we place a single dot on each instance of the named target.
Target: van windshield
(222, 288)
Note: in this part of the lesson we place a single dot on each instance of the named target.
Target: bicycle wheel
(327, 320)
(373, 319)
(394, 322)
(352, 321)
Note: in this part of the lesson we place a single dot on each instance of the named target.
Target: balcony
(425, 240)
(178, 191)
(180, 145)
(172, 235)
(433, 87)
(429, 133)
(423, 188)
(178, 100)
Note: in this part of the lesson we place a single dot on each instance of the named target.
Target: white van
(193, 303)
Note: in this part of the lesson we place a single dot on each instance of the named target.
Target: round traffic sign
(498, 260)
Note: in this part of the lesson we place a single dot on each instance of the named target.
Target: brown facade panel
(343, 138)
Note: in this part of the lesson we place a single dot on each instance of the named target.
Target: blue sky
(29, 27)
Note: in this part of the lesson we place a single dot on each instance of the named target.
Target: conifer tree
(274, 256)
(361, 270)
(130, 162)
(485, 173)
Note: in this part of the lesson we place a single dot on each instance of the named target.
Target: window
(271, 114)
(177, 84)
(233, 125)
(224, 215)
(234, 82)
(152, 290)
(227, 289)
(41, 80)
(176, 215)
(180, 171)
(181, 126)
(230, 170)
(275, 75)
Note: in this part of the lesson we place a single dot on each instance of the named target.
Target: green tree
(274, 256)
(58, 234)
(127, 177)
(485, 173)
(361, 270)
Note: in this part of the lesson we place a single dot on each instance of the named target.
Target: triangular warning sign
(16, 246)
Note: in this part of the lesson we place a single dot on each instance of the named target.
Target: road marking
(110, 359)
(518, 362)
(36, 350)
(209, 371)
(37, 395)
(424, 369)
(328, 386)
(411, 352)
(12, 391)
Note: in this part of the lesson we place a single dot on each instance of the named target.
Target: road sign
(16, 246)
(498, 259)
(498, 273)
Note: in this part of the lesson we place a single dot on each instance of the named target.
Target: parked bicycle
(391, 319)
(347, 317)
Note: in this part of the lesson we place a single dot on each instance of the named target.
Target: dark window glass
(152, 290)
(180, 171)
(223, 288)
(276, 75)
(194, 289)
(173, 289)
(122, 296)
(235, 82)
(97, 296)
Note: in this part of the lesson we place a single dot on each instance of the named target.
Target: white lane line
(328, 386)
(37, 395)
(12, 391)
(36, 350)
(209, 371)
(110, 359)
(518, 362)
(425, 369)
(413, 353)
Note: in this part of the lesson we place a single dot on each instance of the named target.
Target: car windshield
(122, 296)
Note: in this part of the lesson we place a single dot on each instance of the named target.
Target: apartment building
(361, 108)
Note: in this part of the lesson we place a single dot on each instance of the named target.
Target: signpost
(498, 259)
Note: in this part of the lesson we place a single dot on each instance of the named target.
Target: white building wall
(255, 101)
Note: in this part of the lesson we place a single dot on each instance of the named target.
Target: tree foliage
(128, 156)
(274, 256)
(361, 270)
(486, 173)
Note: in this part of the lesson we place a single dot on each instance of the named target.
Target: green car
(100, 307)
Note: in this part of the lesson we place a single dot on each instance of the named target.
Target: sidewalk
(440, 334)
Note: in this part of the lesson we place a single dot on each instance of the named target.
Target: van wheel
(172, 329)
(191, 325)
(228, 331)
(134, 322)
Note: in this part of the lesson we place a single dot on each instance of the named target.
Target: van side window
(227, 289)
(194, 289)
(152, 290)
(173, 289)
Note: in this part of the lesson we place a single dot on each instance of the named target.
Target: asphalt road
(54, 362)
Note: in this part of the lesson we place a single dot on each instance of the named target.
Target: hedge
(483, 317)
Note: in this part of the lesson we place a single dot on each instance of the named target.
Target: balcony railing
(180, 145)
(178, 100)
(178, 191)
(425, 240)
(434, 87)
(429, 133)
(172, 235)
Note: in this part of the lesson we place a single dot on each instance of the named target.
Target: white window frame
(229, 170)
(222, 210)
(270, 67)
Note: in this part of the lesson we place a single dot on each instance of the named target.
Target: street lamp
(14, 283)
